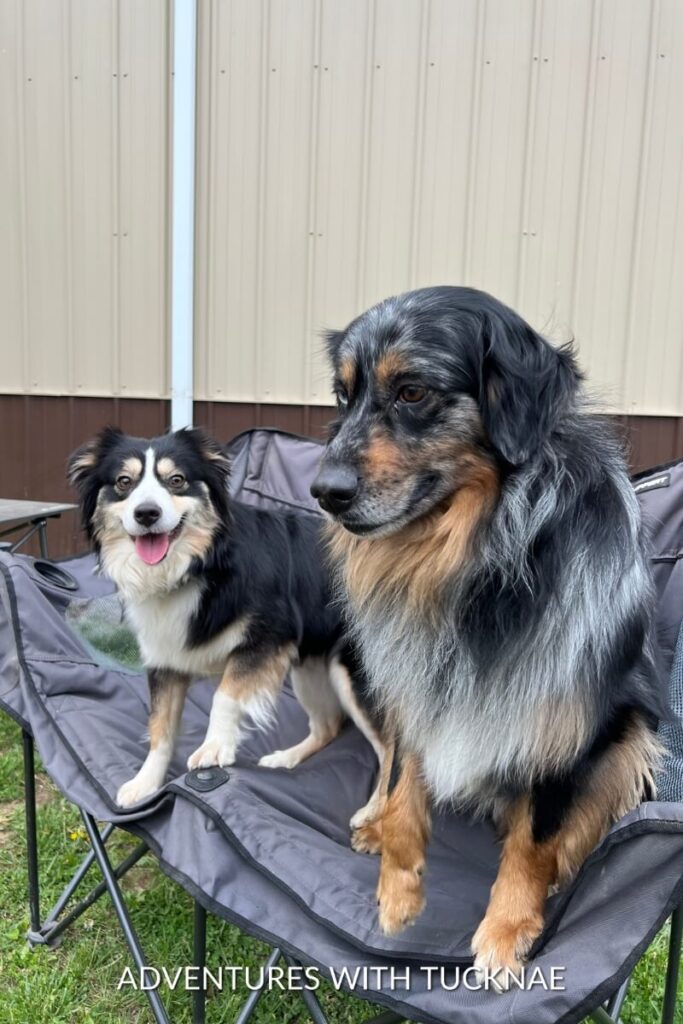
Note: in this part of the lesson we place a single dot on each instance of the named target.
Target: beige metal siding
(351, 150)
(347, 149)
(84, 196)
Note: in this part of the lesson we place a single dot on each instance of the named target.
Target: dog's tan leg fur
(514, 917)
(313, 690)
(405, 830)
(249, 677)
(367, 838)
(167, 697)
(249, 683)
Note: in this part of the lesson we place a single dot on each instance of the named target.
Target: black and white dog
(215, 588)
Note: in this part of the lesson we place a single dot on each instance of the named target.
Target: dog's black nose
(147, 515)
(335, 487)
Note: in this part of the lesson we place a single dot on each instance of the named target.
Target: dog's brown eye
(123, 482)
(177, 480)
(411, 393)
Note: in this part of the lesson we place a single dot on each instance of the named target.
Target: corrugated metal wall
(347, 149)
(84, 123)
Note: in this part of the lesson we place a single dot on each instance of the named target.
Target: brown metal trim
(652, 439)
(225, 419)
(38, 433)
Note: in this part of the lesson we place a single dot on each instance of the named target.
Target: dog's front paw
(366, 815)
(367, 838)
(500, 948)
(210, 753)
(134, 790)
(400, 896)
(280, 759)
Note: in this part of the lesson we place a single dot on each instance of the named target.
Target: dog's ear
(525, 385)
(209, 449)
(84, 460)
(217, 463)
(81, 464)
(333, 340)
(82, 474)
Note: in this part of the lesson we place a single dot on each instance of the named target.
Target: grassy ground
(77, 982)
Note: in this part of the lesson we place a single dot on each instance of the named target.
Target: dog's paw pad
(211, 753)
(279, 759)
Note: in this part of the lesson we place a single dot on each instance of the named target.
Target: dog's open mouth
(153, 547)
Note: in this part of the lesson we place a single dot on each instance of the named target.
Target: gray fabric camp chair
(268, 850)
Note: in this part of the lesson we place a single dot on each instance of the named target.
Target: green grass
(77, 982)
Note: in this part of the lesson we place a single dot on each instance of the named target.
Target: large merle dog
(492, 557)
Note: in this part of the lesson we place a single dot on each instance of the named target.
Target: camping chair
(268, 850)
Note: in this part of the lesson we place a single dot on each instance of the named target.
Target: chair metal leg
(199, 995)
(31, 833)
(51, 928)
(310, 999)
(42, 538)
(252, 999)
(615, 1004)
(601, 1016)
(313, 1006)
(37, 526)
(673, 966)
(156, 1005)
(47, 931)
(78, 877)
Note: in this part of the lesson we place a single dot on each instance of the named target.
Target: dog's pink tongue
(152, 547)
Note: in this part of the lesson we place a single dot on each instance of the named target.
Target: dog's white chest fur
(471, 739)
(161, 625)
(455, 754)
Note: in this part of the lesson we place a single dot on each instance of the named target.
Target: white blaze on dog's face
(151, 506)
(151, 513)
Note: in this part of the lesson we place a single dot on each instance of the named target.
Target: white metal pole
(182, 211)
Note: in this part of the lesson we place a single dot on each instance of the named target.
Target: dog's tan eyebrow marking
(132, 467)
(166, 466)
(347, 373)
(389, 365)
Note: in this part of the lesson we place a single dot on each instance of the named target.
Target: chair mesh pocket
(102, 628)
(670, 781)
